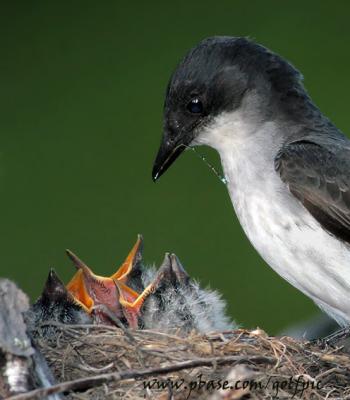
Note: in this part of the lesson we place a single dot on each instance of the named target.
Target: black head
(54, 290)
(56, 304)
(213, 78)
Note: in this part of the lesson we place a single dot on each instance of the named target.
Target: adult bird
(287, 166)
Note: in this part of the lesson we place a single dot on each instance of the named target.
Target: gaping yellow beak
(132, 302)
(131, 260)
(92, 290)
(77, 288)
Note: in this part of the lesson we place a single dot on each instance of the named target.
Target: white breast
(288, 238)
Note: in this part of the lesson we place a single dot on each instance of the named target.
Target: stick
(93, 381)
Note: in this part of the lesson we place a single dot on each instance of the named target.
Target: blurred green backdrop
(82, 87)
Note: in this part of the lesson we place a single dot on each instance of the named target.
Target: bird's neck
(244, 142)
(249, 166)
(247, 148)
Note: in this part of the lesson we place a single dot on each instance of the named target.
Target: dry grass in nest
(99, 362)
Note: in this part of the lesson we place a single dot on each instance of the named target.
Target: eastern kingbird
(287, 166)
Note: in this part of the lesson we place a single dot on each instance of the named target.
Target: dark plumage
(318, 174)
(56, 304)
(220, 71)
(208, 68)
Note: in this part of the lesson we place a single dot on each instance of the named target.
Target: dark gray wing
(319, 176)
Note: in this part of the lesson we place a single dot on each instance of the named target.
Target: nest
(108, 362)
(102, 362)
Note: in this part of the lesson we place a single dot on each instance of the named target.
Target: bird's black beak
(168, 152)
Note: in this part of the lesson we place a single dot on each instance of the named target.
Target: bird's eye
(195, 106)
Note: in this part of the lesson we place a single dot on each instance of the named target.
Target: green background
(82, 89)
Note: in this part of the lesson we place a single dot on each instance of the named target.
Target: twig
(93, 381)
(104, 309)
(77, 326)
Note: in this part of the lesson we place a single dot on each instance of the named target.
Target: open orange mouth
(92, 290)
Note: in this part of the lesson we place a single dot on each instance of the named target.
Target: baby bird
(100, 295)
(172, 301)
(57, 304)
(167, 299)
